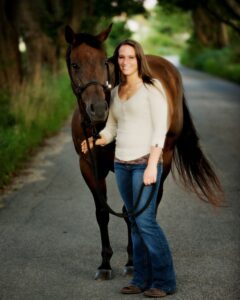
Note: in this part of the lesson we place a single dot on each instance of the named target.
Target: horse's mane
(89, 40)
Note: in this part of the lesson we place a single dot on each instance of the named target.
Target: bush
(223, 62)
(7, 119)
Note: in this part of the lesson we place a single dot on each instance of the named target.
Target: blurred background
(35, 94)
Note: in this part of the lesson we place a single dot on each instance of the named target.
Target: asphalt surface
(49, 239)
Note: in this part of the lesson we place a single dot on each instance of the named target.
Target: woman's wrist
(155, 155)
(152, 164)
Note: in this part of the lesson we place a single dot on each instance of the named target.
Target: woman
(138, 120)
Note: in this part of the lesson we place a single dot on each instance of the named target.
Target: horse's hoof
(128, 271)
(103, 274)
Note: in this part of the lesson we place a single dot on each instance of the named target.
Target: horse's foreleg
(104, 271)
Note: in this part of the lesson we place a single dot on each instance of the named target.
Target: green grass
(31, 114)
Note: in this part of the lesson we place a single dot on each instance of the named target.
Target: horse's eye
(75, 66)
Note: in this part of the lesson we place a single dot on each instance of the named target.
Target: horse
(92, 75)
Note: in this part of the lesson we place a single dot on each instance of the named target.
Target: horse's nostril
(92, 108)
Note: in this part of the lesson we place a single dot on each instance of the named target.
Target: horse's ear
(69, 35)
(102, 36)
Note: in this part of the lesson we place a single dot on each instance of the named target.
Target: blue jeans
(152, 259)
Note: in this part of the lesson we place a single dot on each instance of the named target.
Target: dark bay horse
(91, 72)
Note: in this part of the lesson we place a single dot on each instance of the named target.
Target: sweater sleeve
(159, 113)
(110, 130)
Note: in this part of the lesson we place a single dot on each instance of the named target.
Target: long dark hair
(143, 68)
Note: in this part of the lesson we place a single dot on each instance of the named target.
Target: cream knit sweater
(137, 123)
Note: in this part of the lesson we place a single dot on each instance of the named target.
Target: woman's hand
(150, 174)
(84, 145)
(99, 142)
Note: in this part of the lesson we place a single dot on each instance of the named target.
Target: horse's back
(167, 73)
(170, 77)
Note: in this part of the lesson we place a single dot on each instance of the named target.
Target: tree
(88, 15)
(40, 23)
(10, 61)
(208, 30)
(41, 49)
(225, 11)
(210, 18)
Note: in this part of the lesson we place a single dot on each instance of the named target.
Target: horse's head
(89, 72)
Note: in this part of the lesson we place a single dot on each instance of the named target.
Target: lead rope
(132, 213)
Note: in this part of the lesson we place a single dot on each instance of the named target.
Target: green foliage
(223, 62)
(119, 33)
(184, 5)
(51, 16)
(166, 32)
(7, 119)
(117, 7)
(171, 22)
(35, 113)
(98, 12)
(223, 11)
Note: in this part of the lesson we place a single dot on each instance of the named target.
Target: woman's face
(127, 60)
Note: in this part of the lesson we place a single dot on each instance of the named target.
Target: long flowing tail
(193, 167)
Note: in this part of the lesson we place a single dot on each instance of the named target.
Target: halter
(79, 89)
(106, 86)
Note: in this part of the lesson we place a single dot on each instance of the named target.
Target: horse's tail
(193, 167)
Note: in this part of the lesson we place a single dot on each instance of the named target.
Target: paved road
(49, 238)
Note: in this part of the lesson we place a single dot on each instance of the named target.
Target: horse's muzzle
(98, 111)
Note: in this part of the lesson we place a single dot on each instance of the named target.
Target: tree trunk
(235, 6)
(40, 48)
(10, 61)
(223, 39)
(209, 31)
(77, 14)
